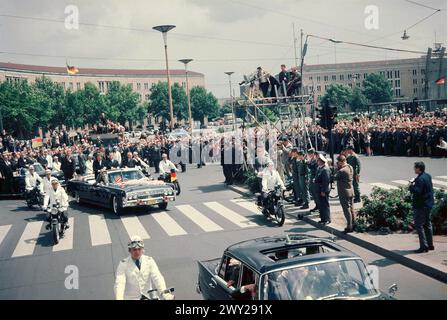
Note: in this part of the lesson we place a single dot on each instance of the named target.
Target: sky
(220, 35)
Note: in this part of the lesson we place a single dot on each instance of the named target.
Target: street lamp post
(164, 30)
(185, 62)
(229, 73)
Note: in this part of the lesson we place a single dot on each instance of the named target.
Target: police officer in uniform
(138, 274)
(354, 161)
(344, 177)
(322, 182)
(303, 180)
(313, 167)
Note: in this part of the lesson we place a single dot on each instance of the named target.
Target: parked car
(127, 188)
(292, 267)
(18, 182)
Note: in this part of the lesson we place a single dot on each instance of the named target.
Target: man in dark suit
(68, 165)
(421, 189)
(129, 161)
(111, 163)
(322, 182)
(98, 164)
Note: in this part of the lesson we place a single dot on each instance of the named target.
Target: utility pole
(294, 45)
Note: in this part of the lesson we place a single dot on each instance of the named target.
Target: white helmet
(135, 242)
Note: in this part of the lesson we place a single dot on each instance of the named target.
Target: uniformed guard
(354, 161)
(303, 178)
(313, 167)
(138, 274)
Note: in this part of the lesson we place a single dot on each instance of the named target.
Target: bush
(252, 181)
(391, 210)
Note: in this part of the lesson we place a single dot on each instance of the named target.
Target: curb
(410, 263)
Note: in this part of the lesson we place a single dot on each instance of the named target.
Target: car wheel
(163, 206)
(116, 205)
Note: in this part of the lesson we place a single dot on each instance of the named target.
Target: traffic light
(331, 116)
(322, 116)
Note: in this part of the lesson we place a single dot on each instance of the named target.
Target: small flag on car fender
(440, 80)
(72, 70)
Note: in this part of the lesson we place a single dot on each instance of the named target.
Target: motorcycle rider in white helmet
(138, 274)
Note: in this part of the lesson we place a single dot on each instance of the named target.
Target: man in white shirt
(138, 274)
(166, 165)
(32, 179)
(271, 179)
(47, 189)
(89, 165)
(59, 196)
(116, 155)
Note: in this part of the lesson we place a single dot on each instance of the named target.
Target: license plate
(151, 202)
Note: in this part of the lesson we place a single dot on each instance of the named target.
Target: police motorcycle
(272, 205)
(57, 226)
(35, 197)
(171, 178)
(155, 295)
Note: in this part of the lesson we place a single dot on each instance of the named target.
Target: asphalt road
(205, 219)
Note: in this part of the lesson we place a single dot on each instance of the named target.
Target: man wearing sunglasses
(138, 274)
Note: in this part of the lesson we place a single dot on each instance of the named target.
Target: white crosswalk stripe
(28, 240)
(134, 227)
(442, 177)
(406, 183)
(168, 224)
(198, 218)
(384, 186)
(99, 234)
(230, 215)
(439, 182)
(253, 208)
(3, 232)
(66, 243)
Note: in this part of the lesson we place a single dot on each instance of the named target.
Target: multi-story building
(409, 78)
(141, 81)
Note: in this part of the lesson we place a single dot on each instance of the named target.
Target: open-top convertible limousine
(292, 267)
(126, 188)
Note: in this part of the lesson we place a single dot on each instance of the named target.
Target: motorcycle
(172, 179)
(35, 197)
(56, 226)
(272, 206)
(154, 295)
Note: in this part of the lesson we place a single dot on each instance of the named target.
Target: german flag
(441, 80)
(72, 70)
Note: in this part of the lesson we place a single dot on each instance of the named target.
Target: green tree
(159, 101)
(337, 95)
(203, 104)
(358, 100)
(90, 101)
(377, 89)
(47, 100)
(122, 104)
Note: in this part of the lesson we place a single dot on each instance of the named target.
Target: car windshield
(125, 176)
(346, 279)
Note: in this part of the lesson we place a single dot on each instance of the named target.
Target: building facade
(141, 81)
(409, 78)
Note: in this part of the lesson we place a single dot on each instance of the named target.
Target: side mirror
(392, 290)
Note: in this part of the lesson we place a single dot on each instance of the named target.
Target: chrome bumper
(147, 202)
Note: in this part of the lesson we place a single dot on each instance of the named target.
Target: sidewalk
(397, 246)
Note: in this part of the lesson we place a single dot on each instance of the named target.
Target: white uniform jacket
(31, 181)
(166, 166)
(61, 196)
(270, 179)
(131, 283)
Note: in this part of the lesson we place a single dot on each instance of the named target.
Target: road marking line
(99, 234)
(134, 227)
(3, 232)
(66, 243)
(250, 206)
(200, 219)
(168, 224)
(28, 240)
(384, 186)
(230, 215)
(439, 182)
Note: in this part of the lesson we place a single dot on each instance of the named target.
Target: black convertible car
(127, 188)
(18, 182)
(292, 267)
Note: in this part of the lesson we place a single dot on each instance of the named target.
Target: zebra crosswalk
(207, 217)
(439, 183)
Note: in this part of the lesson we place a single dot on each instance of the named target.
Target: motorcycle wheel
(177, 188)
(280, 216)
(55, 233)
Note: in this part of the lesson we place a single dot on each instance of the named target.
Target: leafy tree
(203, 104)
(122, 104)
(47, 100)
(159, 101)
(377, 89)
(337, 95)
(357, 101)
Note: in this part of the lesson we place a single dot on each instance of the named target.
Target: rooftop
(6, 66)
